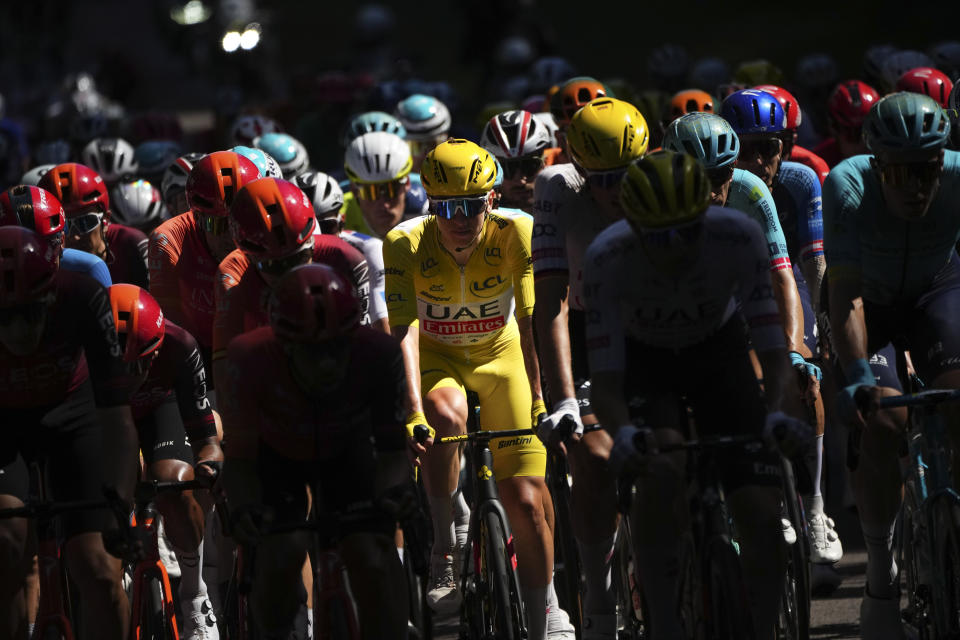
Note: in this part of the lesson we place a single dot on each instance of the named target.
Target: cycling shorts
(66, 439)
(500, 380)
(926, 327)
(810, 331)
(344, 485)
(162, 435)
(716, 380)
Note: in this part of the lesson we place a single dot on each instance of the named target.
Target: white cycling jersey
(372, 250)
(625, 294)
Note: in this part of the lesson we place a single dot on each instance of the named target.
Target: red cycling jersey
(79, 342)
(182, 274)
(127, 255)
(177, 371)
(368, 399)
(812, 160)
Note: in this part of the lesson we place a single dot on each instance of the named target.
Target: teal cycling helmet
(266, 165)
(705, 136)
(906, 121)
(289, 153)
(372, 121)
(424, 117)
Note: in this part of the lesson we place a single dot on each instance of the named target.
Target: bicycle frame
(150, 566)
(51, 615)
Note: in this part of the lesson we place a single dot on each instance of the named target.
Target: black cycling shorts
(68, 442)
(163, 437)
(716, 380)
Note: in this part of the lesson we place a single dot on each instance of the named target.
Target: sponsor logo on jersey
(396, 297)
(545, 229)
(491, 255)
(431, 296)
(479, 288)
(515, 442)
(393, 271)
(497, 220)
(436, 288)
(428, 268)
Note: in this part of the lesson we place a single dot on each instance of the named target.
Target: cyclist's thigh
(505, 403)
(809, 318)
(439, 371)
(162, 436)
(933, 335)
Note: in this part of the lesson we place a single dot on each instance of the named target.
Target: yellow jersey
(460, 309)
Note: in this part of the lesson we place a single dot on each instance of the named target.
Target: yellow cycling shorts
(500, 381)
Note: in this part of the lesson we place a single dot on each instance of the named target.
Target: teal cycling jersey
(749, 194)
(893, 258)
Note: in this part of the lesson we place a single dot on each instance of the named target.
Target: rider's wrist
(414, 419)
(565, 405)
(858, 372)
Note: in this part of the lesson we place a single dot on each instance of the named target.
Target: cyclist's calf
(593, 496)
(183, 517)
(278, 591)
(660, 515)
(97, 575)
(378, 584)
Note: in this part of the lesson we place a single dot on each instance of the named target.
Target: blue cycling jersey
(86, 263)
(749, 194)
(894, 259)
(796, 193)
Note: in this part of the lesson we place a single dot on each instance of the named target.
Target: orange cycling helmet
(138, 319)
(272, 218)
(216, 179)
(573, 94)
(690, 101)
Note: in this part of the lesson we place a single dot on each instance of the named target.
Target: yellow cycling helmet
(664, 189)
(458, 167)
(607, 133)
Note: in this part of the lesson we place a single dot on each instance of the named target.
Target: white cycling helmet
(289, 153)
(424, 117)
(246, 128)
(513, 134)
(547, 120)
(324, 192)
(377, 157)
(137, 204)
(113, 158)
(32, 177)
(174, 180)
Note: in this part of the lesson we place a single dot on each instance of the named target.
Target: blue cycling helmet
(265, 163)
(753, 111)
(424, 117)
(906, 121)
(154, 156)
(289, 153)
(372, 121)
(705, 136)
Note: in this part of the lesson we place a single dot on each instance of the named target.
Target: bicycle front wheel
(947, 598)
(794, 619)
(727, 608)
(566, 555)
(910, 541)
(505, 613)
(152, 615)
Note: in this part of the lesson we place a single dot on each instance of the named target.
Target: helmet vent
(654, 179)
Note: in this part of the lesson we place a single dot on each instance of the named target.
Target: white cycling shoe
(825, 547)
(558, 625)
(880, 618)
(199, 621)
(443, 593)
(789, 533)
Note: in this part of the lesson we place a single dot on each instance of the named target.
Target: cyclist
(518, 141)
(890, 228)
(112, 158)
(698, 278)
(86, 203)
(688, 101)
(452, 280)
(166, 368)
(572, 204)
(64, 399)
(185, 251)
(265, 163)
(791, 150)
(371, 121)
(329, 418)
(289, 153)
(573, 94)
(138, 204)
(37, 210)
(797, 197)
(173, 186)
(427, 123)
(327, 199)
(928, 81)
(849, 104)
(378, 166)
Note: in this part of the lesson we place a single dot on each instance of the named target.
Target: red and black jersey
(79, 342)
(178, 374)
(368, 401)
(127, 255)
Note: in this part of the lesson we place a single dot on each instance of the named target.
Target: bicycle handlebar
(921, 398)
(420, 433)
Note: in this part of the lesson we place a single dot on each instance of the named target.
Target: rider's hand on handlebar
(790, 436)
(419, 436)
(812, 375)
(549, 428)
(858, 402)
(625, 450)
(209, 463)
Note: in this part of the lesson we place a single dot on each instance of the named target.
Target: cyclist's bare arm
(813, 271)
(550, 316)
(530, 362)
(780, 383)
(791, 311)
(409, 337)
(847, 319)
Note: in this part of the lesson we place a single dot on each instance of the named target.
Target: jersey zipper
(463, 300)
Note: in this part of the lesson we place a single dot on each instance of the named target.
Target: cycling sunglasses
(83, 224)
(719, 176)
(214, 225)
(765, 147)
(380, 190)
(31, 313)
(910, 173)
(527, 167)
(330, 225)
(279, 266)
(448, 208)
(684, 234)
(604, 179)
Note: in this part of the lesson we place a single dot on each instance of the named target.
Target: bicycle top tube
(922, 398)
(484, 435)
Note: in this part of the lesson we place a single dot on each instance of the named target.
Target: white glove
(566, 407)
(787, 434)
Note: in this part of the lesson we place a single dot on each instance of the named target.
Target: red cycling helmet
(928, 81)
(787, 101)
(138, 319)
(28, 266)
(271, 218)
(313, 303)
(79, 189)
(573, 94)
(850, 102)
(216, 179)
(34, 208)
